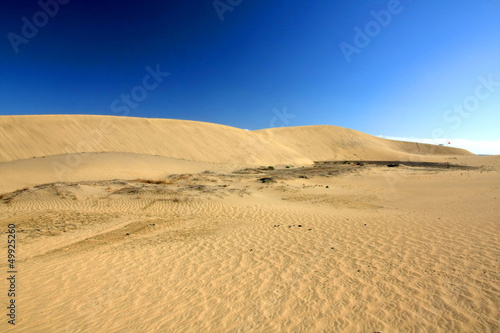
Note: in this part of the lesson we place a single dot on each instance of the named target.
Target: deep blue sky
(264, 55)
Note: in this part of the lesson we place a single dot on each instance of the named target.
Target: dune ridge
(31, 136)
(326, 142)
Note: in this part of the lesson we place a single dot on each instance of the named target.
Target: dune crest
(26, 137)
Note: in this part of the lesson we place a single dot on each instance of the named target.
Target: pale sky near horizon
(399, 69)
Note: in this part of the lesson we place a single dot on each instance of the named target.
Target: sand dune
(176, 226)
(321, 143)
(25, 137)
(51, 148)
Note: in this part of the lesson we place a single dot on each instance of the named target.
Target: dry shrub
(151, 181)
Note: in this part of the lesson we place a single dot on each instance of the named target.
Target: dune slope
(35, 136)
(338, 143)
(25, 137)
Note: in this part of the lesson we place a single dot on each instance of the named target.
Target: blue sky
(427, 70)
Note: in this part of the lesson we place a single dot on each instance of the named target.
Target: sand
(26, 137)
(196, 241)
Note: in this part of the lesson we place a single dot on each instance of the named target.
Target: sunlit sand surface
(194, 240)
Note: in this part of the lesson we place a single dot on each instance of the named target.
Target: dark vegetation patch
(435, 165)
(336, 168)
(267, 180)
(151, 181)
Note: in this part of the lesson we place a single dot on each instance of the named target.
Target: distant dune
(338, 143)
(24, 137)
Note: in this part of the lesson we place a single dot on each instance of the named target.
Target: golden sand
(205, 237)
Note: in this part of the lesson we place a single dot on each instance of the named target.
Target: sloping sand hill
(25, 137)
(321, 143)
(51, 148)
(35, 136)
